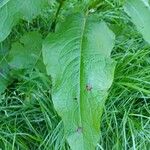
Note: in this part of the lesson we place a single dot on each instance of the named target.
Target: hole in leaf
(89, 87)
(79, 130)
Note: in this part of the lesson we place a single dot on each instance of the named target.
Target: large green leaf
(139, 11)
(13, 10)
(77, 57)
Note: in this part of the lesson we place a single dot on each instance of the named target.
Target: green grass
(29, 121)
(126, 119)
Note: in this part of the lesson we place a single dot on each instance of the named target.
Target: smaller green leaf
(3, 2)
(26, 52)
(13, 10)
(3, 67)
(3, 84)
(139, 11)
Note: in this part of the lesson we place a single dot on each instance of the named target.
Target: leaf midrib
(81, 71)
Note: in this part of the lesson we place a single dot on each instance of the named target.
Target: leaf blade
(79, 85)
(139, 11)
(13, 10)
(26, 52)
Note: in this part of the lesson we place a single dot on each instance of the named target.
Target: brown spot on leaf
(88, 87)
(79, 129)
